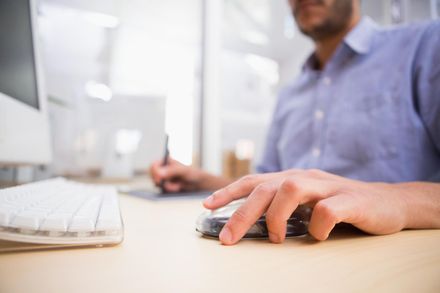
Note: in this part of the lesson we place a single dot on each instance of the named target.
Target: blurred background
(121, 74)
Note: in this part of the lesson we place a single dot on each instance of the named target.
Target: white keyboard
(59, 211)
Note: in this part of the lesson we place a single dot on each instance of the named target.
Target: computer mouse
(210, 223)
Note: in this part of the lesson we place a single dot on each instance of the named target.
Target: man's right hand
(179, 177)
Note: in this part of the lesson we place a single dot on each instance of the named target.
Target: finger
(155, 172)
(240, 188)
(248, 213)
(331, 211)
(292, 192)
(173, 171)
(172, 186)
(286, 200)
(233, 191)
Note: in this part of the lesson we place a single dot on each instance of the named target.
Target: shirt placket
(322, 102)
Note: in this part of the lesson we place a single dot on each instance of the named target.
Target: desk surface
(163, 253)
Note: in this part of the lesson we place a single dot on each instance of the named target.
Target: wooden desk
(163, 253)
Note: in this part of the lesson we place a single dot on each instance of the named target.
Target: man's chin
(309, 30)
(309, 23)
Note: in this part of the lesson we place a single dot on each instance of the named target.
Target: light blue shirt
(373, 112)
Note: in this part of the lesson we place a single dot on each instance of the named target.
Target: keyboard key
(29, 219)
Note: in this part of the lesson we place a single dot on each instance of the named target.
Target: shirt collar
(359, 39)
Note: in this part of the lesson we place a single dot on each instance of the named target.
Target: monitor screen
(17, 66)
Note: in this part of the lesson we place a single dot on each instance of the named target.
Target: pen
(165, 162)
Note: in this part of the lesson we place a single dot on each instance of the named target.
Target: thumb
(156, 171)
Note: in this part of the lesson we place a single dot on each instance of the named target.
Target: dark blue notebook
(156, 196)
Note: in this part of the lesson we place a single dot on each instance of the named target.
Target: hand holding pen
(172, 176)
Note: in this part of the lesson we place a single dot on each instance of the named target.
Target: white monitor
(24, 129)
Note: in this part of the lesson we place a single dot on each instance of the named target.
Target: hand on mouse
(376, 208)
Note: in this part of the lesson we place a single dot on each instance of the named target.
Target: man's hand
(376, 208)
(179, 177)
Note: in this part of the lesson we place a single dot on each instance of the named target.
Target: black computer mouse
(210, 223)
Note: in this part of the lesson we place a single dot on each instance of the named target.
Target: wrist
(421, 202)
(398, 202)
(405, 200)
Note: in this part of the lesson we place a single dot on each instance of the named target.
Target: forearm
(422, 204)
(209, 181)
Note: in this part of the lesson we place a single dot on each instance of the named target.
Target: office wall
(96, 50)
(156, 51)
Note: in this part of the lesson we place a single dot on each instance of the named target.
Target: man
(366, 107)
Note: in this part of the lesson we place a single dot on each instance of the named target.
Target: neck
(326, 47)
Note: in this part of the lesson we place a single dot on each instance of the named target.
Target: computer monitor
(24, 127)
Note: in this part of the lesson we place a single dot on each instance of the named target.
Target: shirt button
(319, 114)
(327, 80)
(316, 152)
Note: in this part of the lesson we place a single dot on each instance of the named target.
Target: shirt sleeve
(427, 81)
(269, 161)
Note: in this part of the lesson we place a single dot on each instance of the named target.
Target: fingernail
(226, 236)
